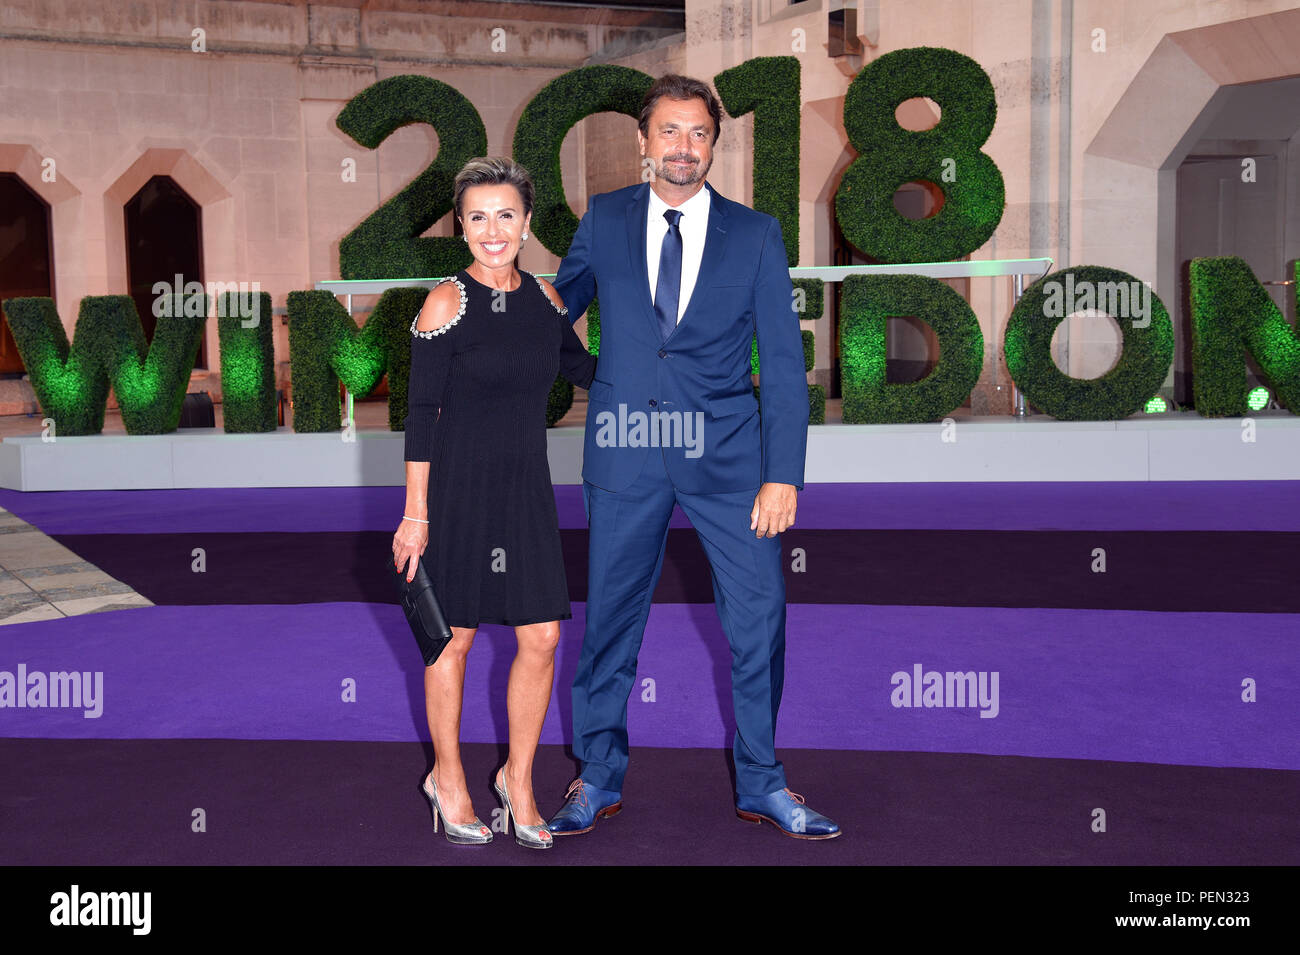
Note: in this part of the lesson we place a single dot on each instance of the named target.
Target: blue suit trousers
(628, 533)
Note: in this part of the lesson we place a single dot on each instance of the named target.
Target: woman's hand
(412, 536)
(408, 544)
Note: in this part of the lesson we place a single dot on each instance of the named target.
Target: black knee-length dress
(477, 413)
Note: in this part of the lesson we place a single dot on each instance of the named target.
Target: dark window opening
(26, 257)
(163, 240)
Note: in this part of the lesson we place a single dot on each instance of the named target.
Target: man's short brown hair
(679, 87)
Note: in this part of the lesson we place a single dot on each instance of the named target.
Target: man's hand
(774, 508)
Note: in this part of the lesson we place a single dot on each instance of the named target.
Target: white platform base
(1174, 448)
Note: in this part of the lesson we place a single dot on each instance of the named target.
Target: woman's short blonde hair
(494, 171)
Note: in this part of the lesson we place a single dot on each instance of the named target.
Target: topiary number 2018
(947, 156)
(389, 244)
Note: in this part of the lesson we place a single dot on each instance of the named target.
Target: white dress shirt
(694, 226)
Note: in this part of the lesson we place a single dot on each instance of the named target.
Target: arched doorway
(26, 256)
(1168, 170)
(164, 239)
(1232, 199)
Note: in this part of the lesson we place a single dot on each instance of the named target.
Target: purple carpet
(1143, 505)
(282, 692)
(1208, 571)
(337, 803)
(1103, 685)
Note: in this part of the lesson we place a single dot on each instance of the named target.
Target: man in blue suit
(685, 279)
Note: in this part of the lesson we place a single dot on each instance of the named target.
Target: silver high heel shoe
(466, 834)
(532, 837)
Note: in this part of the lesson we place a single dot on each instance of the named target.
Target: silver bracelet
(416, 519)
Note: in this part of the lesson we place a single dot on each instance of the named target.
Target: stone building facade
(1101, 103)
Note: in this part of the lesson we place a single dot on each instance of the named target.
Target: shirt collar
(696, 206)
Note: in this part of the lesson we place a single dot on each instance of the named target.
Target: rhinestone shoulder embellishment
(561, 309)
(464, 299)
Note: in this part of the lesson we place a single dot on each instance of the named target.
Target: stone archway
(1127, 210)
(200, 185)
(41, 174)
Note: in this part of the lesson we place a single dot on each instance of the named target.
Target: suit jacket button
(652, 402)
(662, 353)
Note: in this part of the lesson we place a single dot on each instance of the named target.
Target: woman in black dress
(485, 350)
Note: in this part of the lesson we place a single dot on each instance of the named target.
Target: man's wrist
(789, 484)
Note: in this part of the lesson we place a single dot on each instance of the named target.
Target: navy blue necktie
(669, 287)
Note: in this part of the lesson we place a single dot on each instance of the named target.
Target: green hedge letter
(866, 302)
(768, 86)
(1145, 356)
(108, 345)
(325, 346)
(947, 156)
(545, 121)
(248, 399)
(388, 244)
(1232, 314)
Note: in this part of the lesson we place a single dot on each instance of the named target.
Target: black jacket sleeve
(576, 363)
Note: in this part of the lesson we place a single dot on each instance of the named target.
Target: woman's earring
(465, 237)
(524, 236)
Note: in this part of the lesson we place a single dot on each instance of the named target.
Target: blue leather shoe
(583, 805)
(786, 811)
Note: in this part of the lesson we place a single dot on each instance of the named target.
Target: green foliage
(248, 399)
(1232, 314)
(816, 404)
(813, 303)
(947, 156)
(559, 401)
(546, 120)
(108, 345)
(71, 386)
(388, 244)
(325, 347)
(1147, 350)
(593, 327)
(768, 86)
(866, 303)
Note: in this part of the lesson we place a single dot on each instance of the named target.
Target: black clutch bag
(422, 610)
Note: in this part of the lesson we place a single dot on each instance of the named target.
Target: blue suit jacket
(703, 369)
